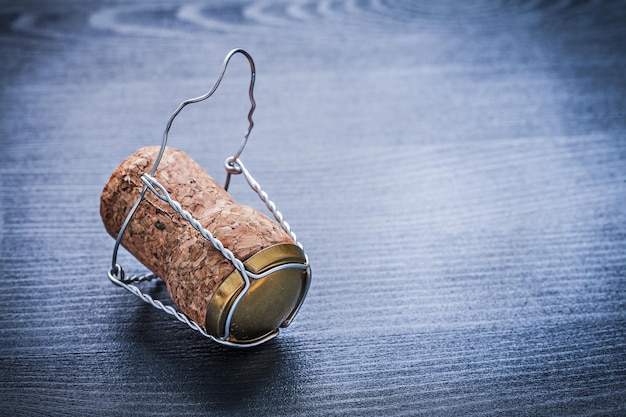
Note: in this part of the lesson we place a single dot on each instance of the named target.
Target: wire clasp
(233, 166)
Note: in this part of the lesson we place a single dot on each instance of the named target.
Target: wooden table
(456, 173)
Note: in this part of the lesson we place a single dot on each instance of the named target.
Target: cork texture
(166, 243)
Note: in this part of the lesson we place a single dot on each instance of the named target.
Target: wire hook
(207, 95)
(166, 132)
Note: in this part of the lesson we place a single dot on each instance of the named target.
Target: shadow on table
(217, 378)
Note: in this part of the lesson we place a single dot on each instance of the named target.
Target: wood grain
(456, 173)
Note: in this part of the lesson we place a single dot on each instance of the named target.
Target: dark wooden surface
(455, 170)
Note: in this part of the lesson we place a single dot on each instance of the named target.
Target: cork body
(166, 243)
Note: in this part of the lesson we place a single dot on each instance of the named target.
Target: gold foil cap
(269, 303)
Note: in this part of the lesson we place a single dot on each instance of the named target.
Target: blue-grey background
(455, 170)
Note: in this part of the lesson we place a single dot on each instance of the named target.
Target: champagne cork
(202, 283)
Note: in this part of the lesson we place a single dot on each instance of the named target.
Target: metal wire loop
(232, 166)
(209, 94)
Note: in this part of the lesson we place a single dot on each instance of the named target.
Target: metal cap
(270, 302)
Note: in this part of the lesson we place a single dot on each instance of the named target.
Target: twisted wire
(116, 273)
(125, 283)
(237, 166)
(160, 192)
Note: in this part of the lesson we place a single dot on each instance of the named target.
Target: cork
(165, 243)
